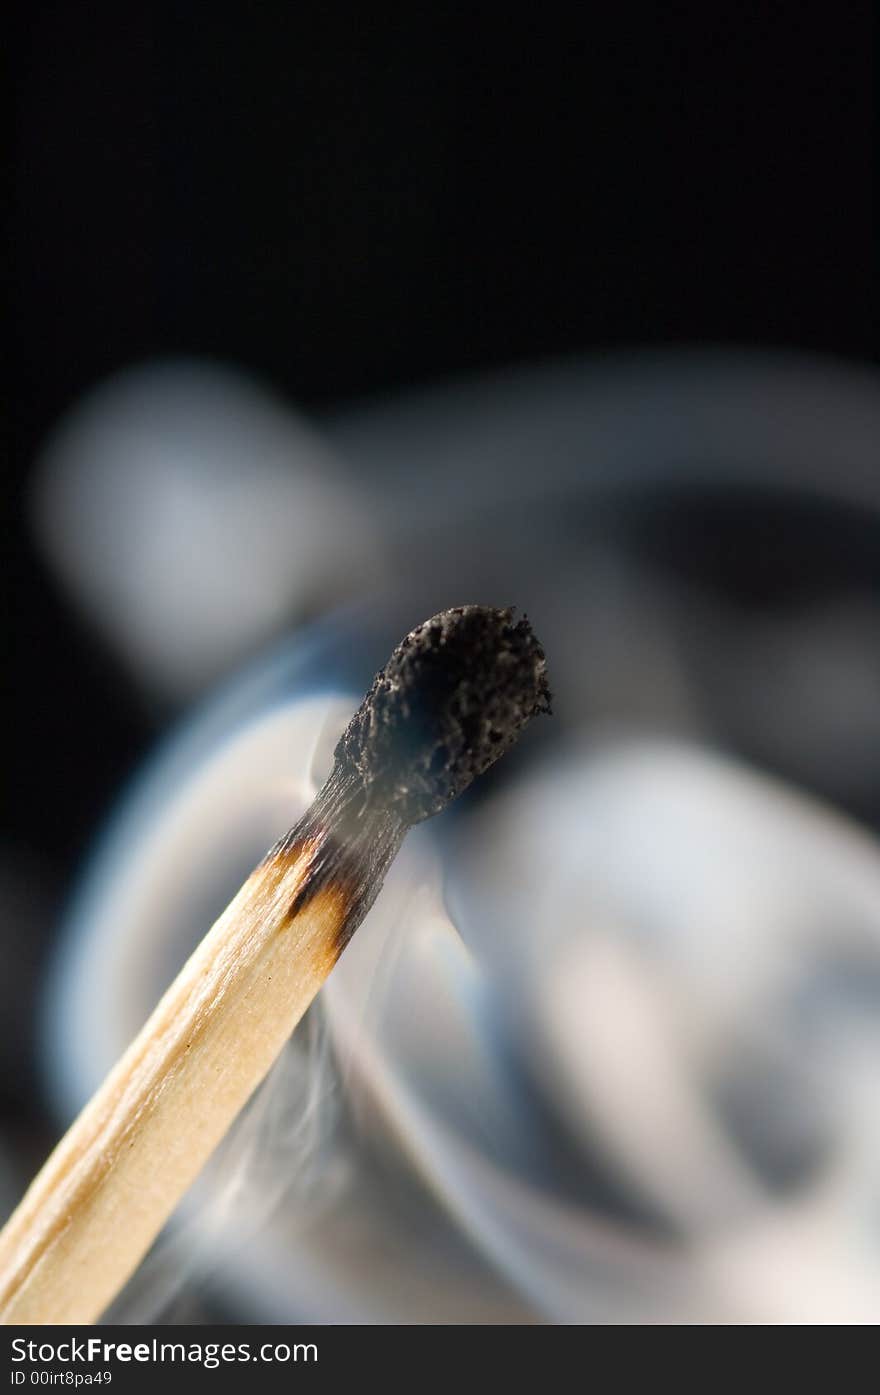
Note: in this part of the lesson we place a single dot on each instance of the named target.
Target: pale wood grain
(105, 1192)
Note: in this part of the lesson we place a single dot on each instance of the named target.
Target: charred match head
(454, 696)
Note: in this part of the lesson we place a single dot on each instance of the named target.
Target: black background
(350, 200)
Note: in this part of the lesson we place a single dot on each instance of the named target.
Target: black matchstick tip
(454, 696)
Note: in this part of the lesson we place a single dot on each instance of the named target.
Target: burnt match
(454, 696)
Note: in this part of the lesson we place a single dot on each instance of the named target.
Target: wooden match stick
(453, 697)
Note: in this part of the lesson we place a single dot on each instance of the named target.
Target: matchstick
(452, 698)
